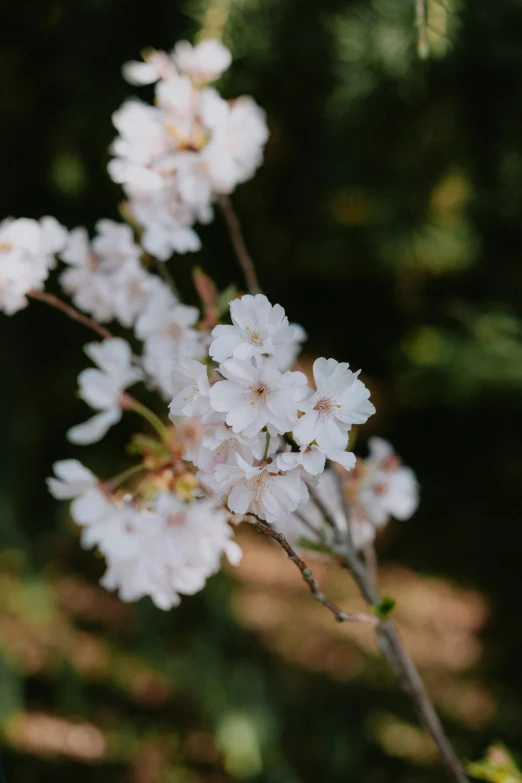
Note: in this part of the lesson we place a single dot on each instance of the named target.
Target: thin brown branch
(391, 644)
(90, 323)
(71, 312)
(236, 236)
(370, 558)
(306, 573)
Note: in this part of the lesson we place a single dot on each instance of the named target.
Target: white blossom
(141, 142)
(27, 254)
(220, 445)
(166, 328)
(157, 65)
(237, 145)
(90, 507)
(72, 479)
(174, 158)
(167, 551)
(106, 278)
(261, 490)
(258, 328)
(341, 400)
(312, 460)
(383, 487)
(204, 62)
(380, 488)
(193, 397)
(102, 388)
(287, 353)
(167, 222)
(257, 395)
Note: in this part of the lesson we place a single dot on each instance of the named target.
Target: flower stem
(391, 644)
(128, 402)
(120, 478)
(306, 573)
(236, 236)
(267, 445)
(71, 312)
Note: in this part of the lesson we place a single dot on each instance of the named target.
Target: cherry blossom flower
(262, 490)
(193, 397)
(173, 159)
(379, 488)
(27, 254)
(102, 388)
(157, 65)
(220, 445)
(383, 487)
(166, 220)
(238, 144)
(90, 506)
(256, 395)
(169, 550)
(341, 400)
(204, 62)
(288, 352)
(312, 460)
(105, 278)
(166, 328)
(258, 328)
(142, 140)
(72, 479)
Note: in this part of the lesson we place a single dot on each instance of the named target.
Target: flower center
(191, 432)
(194, 390)
(258, 393)
(392, 462)
(325, 407)
(176, 520)
(5, 247)
(259, 483)
(255, 336)
(175, 331)
(227, 445)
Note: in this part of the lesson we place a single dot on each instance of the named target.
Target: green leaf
(385, 608)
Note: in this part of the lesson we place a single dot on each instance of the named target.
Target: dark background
(386, 220)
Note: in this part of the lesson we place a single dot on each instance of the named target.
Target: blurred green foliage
(498, 767)
(386, 220)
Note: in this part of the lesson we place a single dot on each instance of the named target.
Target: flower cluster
(162, 549)
(27, 254)
(379, 488)
(254, 409)
(249, 434)
(174, 158)
(103, 388)
(105, 277)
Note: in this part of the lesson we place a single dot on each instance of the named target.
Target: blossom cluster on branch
(248, 434)
(174, 158)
